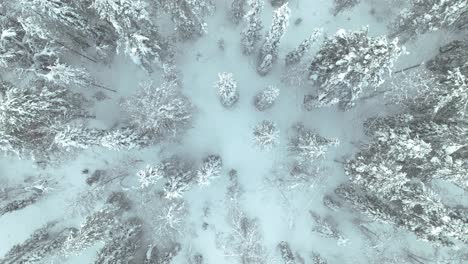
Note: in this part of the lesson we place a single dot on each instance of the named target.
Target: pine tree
(278, 2)
(150, 175)
(188, 16)
(266, 98)
(348, 63)
(286, 253)
(43, 242)
(179, 175)
(425, 16)
(308, 146)
(124, 245)
(28, 115)
(137, 35)
(318, 259)
(158, 112)
(227, 89)
(209, 169)
(295, 56)
(157, 255)
(237, 11)
(266, 135)
(269, 51)
(343, 5)
(251, 34)
(451, 56)
(22, 195)
(326, 227)
(80, 137)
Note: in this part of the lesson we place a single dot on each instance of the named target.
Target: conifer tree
(251, 33)
(269, 51)
(349, 63)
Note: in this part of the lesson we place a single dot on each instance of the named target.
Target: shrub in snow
(158, 112)
(348, 63)
(343, 5)
(425, 16)
(269, 51)
(209, 169)
(266, 135)
(295, 56)
(227, 89)
(266, 98)
(251, 34)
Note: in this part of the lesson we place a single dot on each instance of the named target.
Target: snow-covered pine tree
(266, 98)
(137, 36)
(169, 219)
(79, 137)
(150, 175)
(266, 135)
(307, 146)
(246, 241)
(64, 75)
(252, 32)
(326, 227)
(188, 16)
(43, 242)
(269, 51)
(28, 114)
(286, 253)
(158, 112)
(179, 174)
(158, 255)
(123, 245)
(63, 19)
(15, 49)
(295, 56)
(209, 170)
(278, 2)
(17, 197)
(237, 11)
(343, 5)
(318, 259)
(227, 89)
(451, 56)
(96, 227)
(350, 62)
(430, 15)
